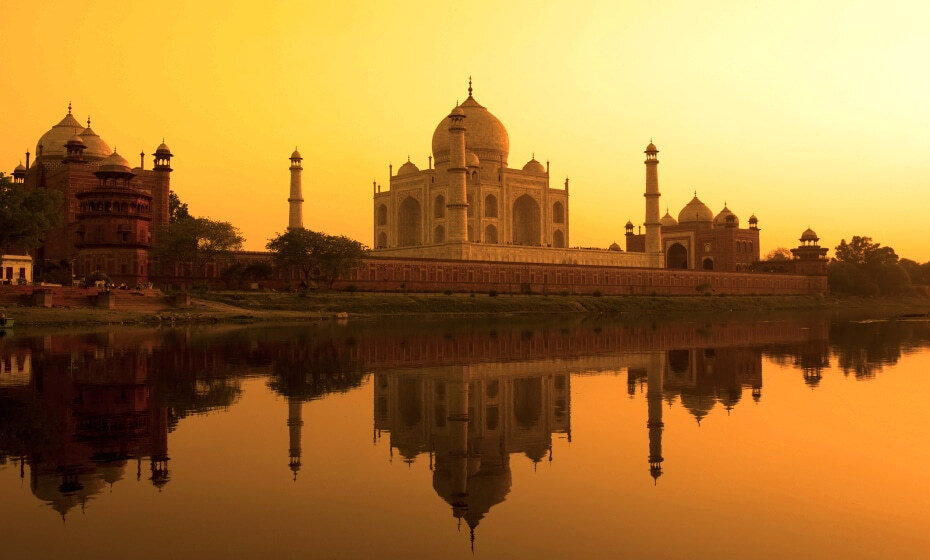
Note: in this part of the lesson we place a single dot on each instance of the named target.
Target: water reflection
(80, 413)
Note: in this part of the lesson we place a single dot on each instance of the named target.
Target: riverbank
(248, 307)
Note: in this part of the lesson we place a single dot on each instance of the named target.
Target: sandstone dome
(614, 247)
(164, 148)
(695, 211)
(534, 166)
(667, 220)
(471, 160)
(53, 142)
(94, 146)
(720, 219)
(115, 163)
(407, 168)
(485, 135)
(809, 235)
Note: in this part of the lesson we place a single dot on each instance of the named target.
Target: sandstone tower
(296, 200)
(653, 227)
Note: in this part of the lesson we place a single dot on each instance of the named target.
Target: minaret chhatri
(296, 200)
(653, 229)
(457, 205)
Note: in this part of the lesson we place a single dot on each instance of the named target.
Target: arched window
(558, 213)
(708, 264)
(471, 205)
(490, 234)
(382, 240)
(439, 207)
(471, 233)
(490, 206)
(439, 234)
(381, 218)
(558, 239)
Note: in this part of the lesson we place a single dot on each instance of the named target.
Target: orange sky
(803, 114)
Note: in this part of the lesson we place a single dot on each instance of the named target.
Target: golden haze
(803, 114)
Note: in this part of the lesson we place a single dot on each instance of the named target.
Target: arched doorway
(382, 215)
(676, 257)
(439, 207)
(558, 239)
(382, 240)
(439, 234)
(707, 264)
(490, 234)
(408, 223)
(526, 222)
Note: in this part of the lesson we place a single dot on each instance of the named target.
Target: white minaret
(296, 200)
(457, 203)
(653, 228)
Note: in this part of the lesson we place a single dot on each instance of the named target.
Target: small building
(15, 269)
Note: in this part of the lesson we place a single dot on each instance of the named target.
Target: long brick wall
(428, 275)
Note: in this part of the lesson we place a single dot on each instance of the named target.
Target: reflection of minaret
(159, 457)
(655, 425)
(458, 442)
(294, 424)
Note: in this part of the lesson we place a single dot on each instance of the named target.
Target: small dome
(407, 169)
(115, 163)
(75, 140)
(163, 147)
(471, 160)
(651, 148)
(457, 111)
(20, 168)
(667, 220)
(95, 147)
(614, 247)
(753, 219)
(721, 219)
(695, 212)
(629, 224)
(809, 235)
(53, 142)
(534, 166)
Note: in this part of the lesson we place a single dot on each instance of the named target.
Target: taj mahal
(469, 204)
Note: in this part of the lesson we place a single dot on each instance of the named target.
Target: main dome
(485, 135)
(695, 211)
(53, 142)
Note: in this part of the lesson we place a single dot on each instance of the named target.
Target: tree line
(866, 268)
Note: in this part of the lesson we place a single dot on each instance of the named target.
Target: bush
(492, 293)
(564, 293)
(448, 292)
(597, 293)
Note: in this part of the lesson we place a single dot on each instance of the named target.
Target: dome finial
(69, 107)
(469, 86)
(88, 121)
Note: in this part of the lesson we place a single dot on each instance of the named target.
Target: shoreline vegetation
(254, 307)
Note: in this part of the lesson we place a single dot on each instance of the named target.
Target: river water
(800, 437)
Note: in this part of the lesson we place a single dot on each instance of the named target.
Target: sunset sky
(806, 114)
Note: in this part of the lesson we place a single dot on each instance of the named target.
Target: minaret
(457, 203)
(654, 424)
(160, 194)
(653, 228)
(296, 200)
(294, 424)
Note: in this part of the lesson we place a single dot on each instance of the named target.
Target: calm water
(796, 437)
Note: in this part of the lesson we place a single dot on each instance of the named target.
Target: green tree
(315, 256)
(26, 215)
(196, 241)
(861, 251)
(177, 210)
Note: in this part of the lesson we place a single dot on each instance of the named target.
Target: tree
(177, 210)
(296, 250)
(196, 241)
(26, 215)
(860, 251)
(779, 254)
(315, 256)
